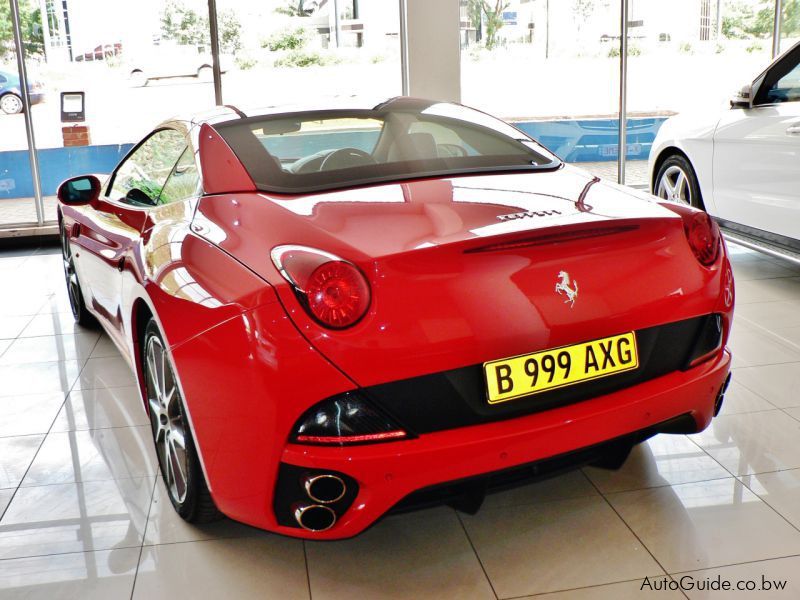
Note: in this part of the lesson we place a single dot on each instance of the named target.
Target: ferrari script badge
(567, 287)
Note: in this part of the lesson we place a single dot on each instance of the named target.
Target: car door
(757, 155)
(109, 231)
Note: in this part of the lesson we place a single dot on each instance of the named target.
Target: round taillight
(333, 291)
(337, 294)
(703, 235)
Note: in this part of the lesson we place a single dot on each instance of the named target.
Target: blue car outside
(11, 93)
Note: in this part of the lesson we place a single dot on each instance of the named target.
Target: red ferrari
(337, 313)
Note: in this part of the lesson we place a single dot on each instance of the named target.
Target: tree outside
(31, 25)
(487, 17)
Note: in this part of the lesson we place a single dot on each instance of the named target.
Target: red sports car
(340, 312)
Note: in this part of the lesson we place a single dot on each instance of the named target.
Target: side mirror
(744, 99)
(79, 190)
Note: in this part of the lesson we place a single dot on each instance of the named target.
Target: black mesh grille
(457, 398)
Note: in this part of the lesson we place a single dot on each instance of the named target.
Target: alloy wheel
(11, 104)
(674, 186)
(166, 419)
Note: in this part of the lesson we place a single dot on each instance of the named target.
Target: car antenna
(236, 110)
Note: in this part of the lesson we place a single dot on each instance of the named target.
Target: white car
(741, 166)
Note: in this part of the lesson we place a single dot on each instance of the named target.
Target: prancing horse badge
(566, 286)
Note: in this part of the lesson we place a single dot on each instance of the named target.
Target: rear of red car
(434, 337)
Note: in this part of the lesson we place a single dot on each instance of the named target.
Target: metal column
(26, 104)
(214, 31)
(776, 29)
(404, 75)
(623, 92)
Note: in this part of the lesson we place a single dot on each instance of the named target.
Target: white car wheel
(138, 79)
(205, 74)
(11, 104)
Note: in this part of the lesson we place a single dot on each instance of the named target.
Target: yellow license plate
(512, 378)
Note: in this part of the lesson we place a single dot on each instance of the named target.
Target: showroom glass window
(137, 63)
(142, 177)
(552, 68)
(284, 51)
(16, 184)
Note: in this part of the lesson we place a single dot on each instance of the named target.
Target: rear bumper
(387, 473)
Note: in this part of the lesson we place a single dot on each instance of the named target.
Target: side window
(184, 182)
(782, 81)
(140, 179)
(787, 88)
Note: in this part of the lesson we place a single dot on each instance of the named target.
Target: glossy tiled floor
(85, 516)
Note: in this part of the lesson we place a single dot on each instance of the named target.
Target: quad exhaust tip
(325, 488)
(315, 517)
(721, 395)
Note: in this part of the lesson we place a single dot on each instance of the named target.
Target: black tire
(688, 193)
(79, 311)
(191, 498)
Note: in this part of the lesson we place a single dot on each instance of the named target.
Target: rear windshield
(402, 139)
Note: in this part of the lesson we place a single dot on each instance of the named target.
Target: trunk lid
(473, 269)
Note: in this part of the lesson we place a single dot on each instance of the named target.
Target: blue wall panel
(56, 165)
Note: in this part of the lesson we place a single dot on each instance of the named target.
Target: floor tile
(38, 378)
(94, 455)
(662, 460)
(57, 303)
(164, 526)
(767, 290)
(11, 327)
(24, 304)
(51, 348)
(630, 590)
(752, 346)
(4, 344)
(576, 543)
(100, 409)
(417, 555)
(754, 442)
(24, 415)
(105, 348)
(258, 568)
(706, 524)
(779, 384)
(53, 324)
(75, 517)
(762, 269)
(16, 455)
(793, 412)
(103, 575)
(739, 399)
(765, 575)
(5, 498)
(781, 490)
(774, 316)
(573, 484)
(105, 372)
